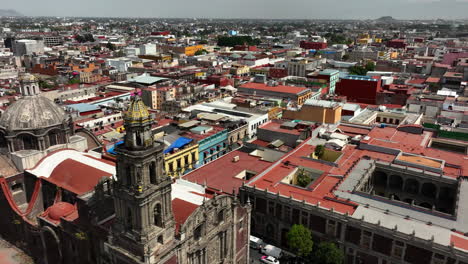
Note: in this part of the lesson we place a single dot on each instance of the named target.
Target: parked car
(269, 260)
(255, 242)
(273, 251)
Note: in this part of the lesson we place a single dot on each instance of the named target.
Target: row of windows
(362, 238)
(177, 164)
(256, 125)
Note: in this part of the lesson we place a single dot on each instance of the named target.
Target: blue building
(212, 142)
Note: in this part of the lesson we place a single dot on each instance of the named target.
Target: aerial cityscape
(337, 135)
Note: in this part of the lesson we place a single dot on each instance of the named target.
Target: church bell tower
(142, 193)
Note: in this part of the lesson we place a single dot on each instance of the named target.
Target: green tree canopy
(357, 70)
(300, 240)
(237, 40)
(319, 151)
(370, 66)
(110, 46)
(328, 253)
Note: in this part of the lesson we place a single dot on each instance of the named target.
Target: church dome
(60, 210)
(27, 77)
(137, 111)
(31, 113)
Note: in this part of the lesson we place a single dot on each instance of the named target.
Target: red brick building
(360, 89)
(313, 45)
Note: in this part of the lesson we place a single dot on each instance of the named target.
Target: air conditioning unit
(235, 159)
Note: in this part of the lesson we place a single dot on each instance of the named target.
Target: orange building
(316, 111)
(179, 49)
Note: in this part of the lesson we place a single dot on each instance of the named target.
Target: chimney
(235, 159)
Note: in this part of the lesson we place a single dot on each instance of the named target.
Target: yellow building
(178, 49)
(364, 41)
(240, 70)
(178, 161)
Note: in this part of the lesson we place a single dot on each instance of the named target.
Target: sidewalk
(10, 254)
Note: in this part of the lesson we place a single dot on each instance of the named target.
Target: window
(223, 249)
(220, 216)
(278, 210)
(271, 208)
(331, 228)
(398, 249)
(17, 187)
(287, 213)
(304, 218)
(152, 172)
(158, 215)
(438, 259)
(197, 233)
(366, 239)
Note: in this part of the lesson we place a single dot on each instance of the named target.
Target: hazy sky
(319, 9)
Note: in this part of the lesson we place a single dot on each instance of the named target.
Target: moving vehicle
(272, 251)
(269, 260)
(255, 242)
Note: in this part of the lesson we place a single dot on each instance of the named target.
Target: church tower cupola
(142, 192)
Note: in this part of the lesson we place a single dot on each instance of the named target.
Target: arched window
(157, 215)
(138, 140)
(29, 142)
(396, 182)
(128, 175)
(152, 172)
(412, 186)
(429, 190)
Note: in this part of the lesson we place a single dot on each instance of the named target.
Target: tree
(345, 57)
(45, 85)
(327, 253)
(357, 70)
(74, 81)
(110, 46)
(319, 151)
(200, 52)
(300, 240)
(370, 66)
(303, 179)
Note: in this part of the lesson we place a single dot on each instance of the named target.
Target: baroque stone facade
(76, 208)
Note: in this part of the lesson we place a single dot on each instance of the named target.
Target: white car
(269, 260)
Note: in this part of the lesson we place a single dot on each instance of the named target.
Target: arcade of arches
(414, 190)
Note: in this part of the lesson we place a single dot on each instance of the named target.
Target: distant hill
(386, 19)
(9, 12)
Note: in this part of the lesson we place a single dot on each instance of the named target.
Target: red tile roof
(279, 88)
(221, 174)
(75, 176)
(276, 127)
(182, 210)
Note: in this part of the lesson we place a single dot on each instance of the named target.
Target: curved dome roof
(137, 111)
(28, 78)
(32, 112)
(60, 210)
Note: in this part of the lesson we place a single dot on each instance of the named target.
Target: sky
(296, 9)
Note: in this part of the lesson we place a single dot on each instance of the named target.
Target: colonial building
(76, 207)
(395, 197)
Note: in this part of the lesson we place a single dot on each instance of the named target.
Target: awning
(179, 143)
(277, 143)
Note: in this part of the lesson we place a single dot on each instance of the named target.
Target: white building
(121, 64)
(148, 49)
(28, 47)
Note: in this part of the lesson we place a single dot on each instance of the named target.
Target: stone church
(74, 206)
